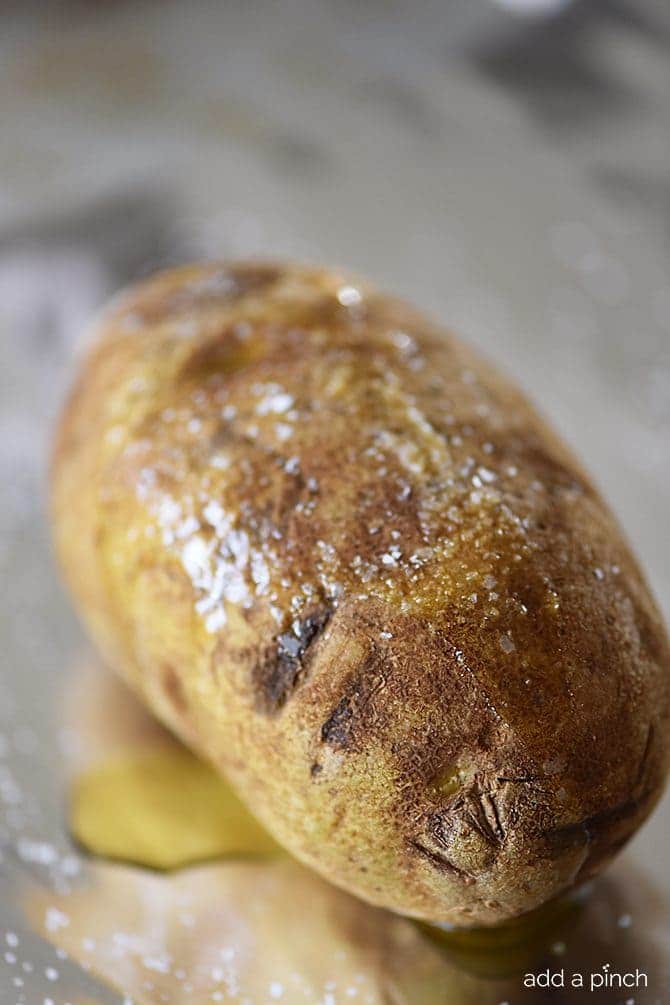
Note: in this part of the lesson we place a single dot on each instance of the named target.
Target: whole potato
(345, 559)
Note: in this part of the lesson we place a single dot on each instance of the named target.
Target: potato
(345, 560)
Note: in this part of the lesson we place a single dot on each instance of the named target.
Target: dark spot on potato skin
(217, 285)
(276, 675)
(173, 689)
(481, 806)
(357, 716)
(592, 829)
(315, 769)
(442, 863)
(222, 355)
(337, 727)
(252, 277)
(472, 814)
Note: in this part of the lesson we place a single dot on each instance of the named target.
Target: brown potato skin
(345, 559)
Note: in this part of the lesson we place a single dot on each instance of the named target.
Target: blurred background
(504, 165)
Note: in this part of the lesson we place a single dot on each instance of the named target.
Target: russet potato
(345, 560)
